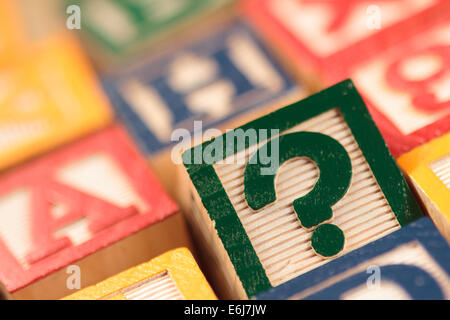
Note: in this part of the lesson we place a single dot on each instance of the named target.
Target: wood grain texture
(276, 233)
(427, 167)
(269, 246)
(411, 263)
(172, 276)
(73, 203)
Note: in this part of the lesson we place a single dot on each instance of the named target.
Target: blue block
(404, 261)
(213, 79)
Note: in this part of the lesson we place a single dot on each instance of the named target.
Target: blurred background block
(173, 275)
(411, 263)
(428, 169)
(49, 96)
(118, 30)
(213, 78)
(94, 204)
(326, 39)
(407, 88)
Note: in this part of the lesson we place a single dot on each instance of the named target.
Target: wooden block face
(411, 263)
(49, 96)
(118, 26)
(11, 33)
(330, 37)
(74, 202)
(262, 218)
(172, 276)
(428, 168)
(406, 88)
(213, 79)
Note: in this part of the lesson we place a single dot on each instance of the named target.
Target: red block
(93, 204)
(328, 38)
(407, 88)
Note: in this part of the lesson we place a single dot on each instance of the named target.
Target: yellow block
(428, 168)
(48, 96)
(172, 275)
(11, 31)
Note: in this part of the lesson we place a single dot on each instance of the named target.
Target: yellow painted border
(179, 263)
(416, 164)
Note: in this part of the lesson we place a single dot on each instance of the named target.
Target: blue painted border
(422, 231)
(146, 140)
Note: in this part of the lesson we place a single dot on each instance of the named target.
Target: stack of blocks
(303, 201)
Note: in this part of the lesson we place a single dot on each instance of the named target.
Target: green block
(358, 196)
(119, 26)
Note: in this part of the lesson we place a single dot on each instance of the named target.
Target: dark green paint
(343, 96)
(334, 179)
(327, 240)
(314, 208)
(145, 18)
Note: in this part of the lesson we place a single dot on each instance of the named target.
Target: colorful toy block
(173, 275)
(206, 82)
(407, 88)
(120, 28)
(92, 208)
(292, 190)
(411, 263)
(327, 38)
(49, 97)
(428, 168)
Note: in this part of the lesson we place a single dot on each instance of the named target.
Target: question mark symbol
(314, 208)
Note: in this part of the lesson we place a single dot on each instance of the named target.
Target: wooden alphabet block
(428, 169)
(81, 214)
(202, 84)
(411, 263)
(120, 28)
(292, 190)
(407, 88)
(49, 97)
(327, 38)
(173, 275)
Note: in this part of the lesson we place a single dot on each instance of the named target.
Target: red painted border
(398, 142)
(115, 142)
